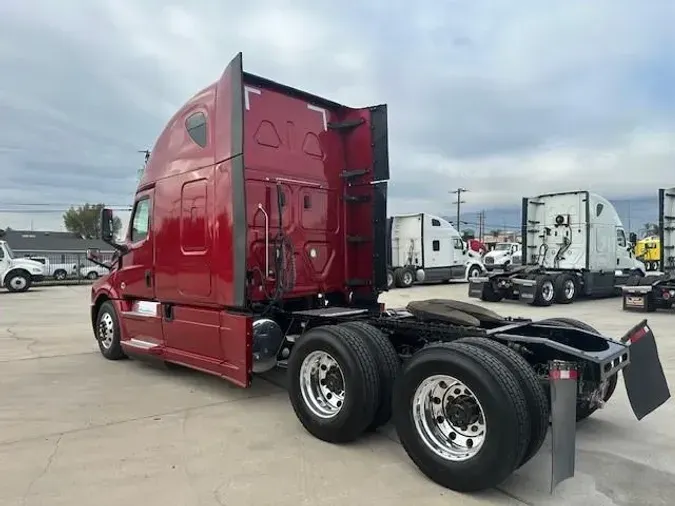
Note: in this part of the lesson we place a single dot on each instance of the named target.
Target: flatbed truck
(257, 241)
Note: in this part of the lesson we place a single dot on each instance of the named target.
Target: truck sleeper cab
(426, 248)
(258, 239)
(574, 245)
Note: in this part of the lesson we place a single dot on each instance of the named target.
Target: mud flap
(643, 377)
(527, 291)
(476, 287)
(563, 382)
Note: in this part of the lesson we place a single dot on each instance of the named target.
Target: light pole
(459, 202)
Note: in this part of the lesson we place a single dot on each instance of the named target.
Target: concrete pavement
(77, 429)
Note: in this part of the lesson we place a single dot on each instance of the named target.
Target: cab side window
(140, 222)
(620, 238)
(197, 129)
(2, 254)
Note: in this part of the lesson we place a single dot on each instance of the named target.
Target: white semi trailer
(573, 245)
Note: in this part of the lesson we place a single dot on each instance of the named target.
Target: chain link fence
(67, 267)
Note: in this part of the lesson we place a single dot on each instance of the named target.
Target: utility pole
(459, 202)
(481, 224)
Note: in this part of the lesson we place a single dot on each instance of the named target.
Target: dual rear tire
(468, 413)
(341, 379)
(561, 289)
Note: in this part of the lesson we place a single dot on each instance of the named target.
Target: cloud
(506, 99)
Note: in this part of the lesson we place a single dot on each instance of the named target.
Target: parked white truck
(426, 248)
(501, 257)
(574, 245)
(60, 271)
(18, 274)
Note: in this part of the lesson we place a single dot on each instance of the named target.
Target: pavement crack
(45, 469)
(30, 342)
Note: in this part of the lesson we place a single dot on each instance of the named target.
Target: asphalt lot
(76, 429)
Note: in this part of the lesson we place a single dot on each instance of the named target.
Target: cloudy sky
(504, 98)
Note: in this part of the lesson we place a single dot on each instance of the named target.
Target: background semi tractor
(648, 251)
(252, 247)
(573, 245)
(427, 248)
(501, 256)
(657, 289)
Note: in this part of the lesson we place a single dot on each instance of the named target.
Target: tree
(86, 221)
(651, 229)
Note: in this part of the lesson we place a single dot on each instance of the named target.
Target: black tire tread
(515, 396)
(534, 392)
(115, 352)
(389, 367)
(512, 389)
(370, 387)
(558, 285)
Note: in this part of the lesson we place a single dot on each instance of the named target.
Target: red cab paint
(254, 193)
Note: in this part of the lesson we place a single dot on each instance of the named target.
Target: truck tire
(388, 365)
(566, 288)
(60, 274)
(482, 397)
(18, 281)
(584, 410)
(390, 278)
(544, 291)
(108, 332)
(474, 272)
(404, 277)
(324, 362)
(537, 402)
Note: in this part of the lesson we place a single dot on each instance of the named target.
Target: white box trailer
(426, 248)
(573, 245)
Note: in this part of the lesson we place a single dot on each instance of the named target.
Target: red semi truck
(257, 240)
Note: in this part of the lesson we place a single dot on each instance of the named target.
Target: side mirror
(632, 237)
(106, 225)
(93, 254)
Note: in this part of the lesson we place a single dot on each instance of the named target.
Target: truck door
(140, 316)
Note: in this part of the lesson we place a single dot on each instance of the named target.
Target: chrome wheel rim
(106, 330)
(390, 279)
(474, 273)
(322, 384)
(18, 282)
(547, 290)
(569, 289)
(407, 278)
(448, 418)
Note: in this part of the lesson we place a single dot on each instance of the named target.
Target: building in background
(62, 251)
